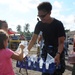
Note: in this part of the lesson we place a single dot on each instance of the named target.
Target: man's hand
(57, 59)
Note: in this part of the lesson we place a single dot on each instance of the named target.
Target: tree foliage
(26, 27)
(67, 30)
(19, 28)
(25, 31)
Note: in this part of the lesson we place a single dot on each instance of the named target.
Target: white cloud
(68, 21)
(55, 12)
(57, 4)
(27, 6)
(14, 24)
(5, 1)
(20, 5)
(57, 8)
(74, 3)
(22, 22)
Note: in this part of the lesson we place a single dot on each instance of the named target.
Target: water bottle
(49, 60)
(34, 62)
(47, 65)
(29, 62)
(41, 63)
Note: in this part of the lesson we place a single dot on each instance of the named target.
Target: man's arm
(60, 49)
(32, 41)
(39, 38)
(61, 44)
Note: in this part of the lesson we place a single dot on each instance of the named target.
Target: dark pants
(52, 51)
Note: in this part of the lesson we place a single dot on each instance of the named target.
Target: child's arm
(19, 55)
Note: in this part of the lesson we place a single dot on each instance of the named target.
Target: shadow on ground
(69, 67)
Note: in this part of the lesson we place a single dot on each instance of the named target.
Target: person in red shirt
(22, 37)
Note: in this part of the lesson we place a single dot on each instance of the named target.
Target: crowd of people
(53, 36)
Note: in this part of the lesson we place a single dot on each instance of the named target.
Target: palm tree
(19, 28)
(26, 27)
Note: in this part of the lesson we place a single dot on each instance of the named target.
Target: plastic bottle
(41, 63)
(29, 61)
(49, 60)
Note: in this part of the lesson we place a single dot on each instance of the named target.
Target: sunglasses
(42, 16)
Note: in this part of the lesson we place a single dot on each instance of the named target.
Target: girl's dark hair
(2, 21)
(3, 36)
(45, 6)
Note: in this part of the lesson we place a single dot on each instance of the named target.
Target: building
(70, 34)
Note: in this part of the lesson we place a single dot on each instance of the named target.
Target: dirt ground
(31, 72)
(68, 70)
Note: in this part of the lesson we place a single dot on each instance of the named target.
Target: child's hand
(22, 47)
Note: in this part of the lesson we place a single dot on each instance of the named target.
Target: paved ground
(68, 70)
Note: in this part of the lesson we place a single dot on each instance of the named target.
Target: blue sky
(20, 12)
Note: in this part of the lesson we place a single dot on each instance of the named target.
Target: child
(6, 55)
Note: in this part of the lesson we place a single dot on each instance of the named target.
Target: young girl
(6, 55)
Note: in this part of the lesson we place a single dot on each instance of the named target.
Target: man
(53, 35)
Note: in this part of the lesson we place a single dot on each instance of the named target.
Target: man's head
(44, 11)
(45, 6)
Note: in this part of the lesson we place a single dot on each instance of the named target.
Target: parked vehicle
(70, 40)
(28, 38)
